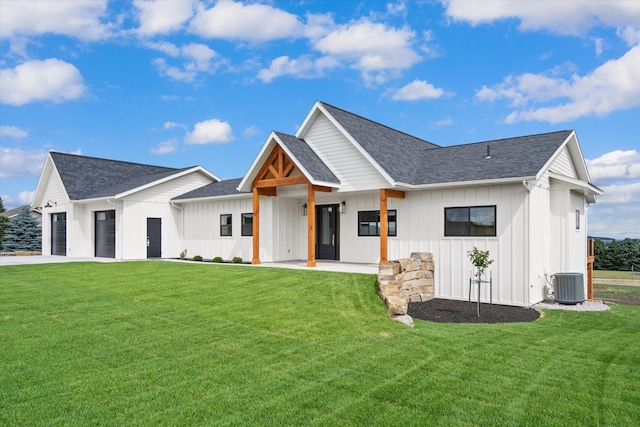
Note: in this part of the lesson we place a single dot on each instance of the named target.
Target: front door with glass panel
(59, 233)
(105, 237)
(327, 232)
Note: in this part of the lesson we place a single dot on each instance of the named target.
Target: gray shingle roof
(510, 158)
(226, 187)
(90, 177)
(308, 158)
(396, 152)
(411, 160)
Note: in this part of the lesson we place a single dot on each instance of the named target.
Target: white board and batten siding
(420, 228)
(201, 229)
(153, 202)
(349, 165)
(53, 191)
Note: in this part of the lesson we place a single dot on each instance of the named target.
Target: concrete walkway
(44, 259)
(301, 265)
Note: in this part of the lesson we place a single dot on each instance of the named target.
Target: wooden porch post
(384, 226)
(256, 227)
(311, 226)
(384, 220)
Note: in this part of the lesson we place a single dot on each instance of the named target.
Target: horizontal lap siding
(353, 170)
(563, 164)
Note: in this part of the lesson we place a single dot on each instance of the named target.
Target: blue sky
(183, 83)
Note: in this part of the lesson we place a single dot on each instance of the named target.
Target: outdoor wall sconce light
(303, 210)
(343, 207)
(50, 204)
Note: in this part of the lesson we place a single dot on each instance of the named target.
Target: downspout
(527, 239)
(119, 248)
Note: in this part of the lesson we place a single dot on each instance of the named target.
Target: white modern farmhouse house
(343, 188)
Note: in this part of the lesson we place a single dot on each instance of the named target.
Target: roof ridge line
(378, 123)
(114, 160)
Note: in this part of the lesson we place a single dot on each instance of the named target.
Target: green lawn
(162, 343)
(606, 274)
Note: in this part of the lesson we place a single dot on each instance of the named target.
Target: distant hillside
(603, 239)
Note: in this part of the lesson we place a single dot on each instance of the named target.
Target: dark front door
(105, 234)
(327, 232)
(59, 233)
(154, 237)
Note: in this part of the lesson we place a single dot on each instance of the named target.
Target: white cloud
(13, 132)
(564, 17)
(162, 16)
(617, 213)
(172, 125)
(302, 67)
(166, 147)
(252, 22)
(211, 131)
(250, 131)
(78, 18)
(447, 121)
(375, 49)
(615, 85)
(18, 163)
(199, 58)
(164, 47)
(614, 167)
(418, 89)
(630, 35)
(47, 80)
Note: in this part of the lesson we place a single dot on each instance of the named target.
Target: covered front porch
(322, 208)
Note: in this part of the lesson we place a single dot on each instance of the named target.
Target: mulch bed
(450, 311)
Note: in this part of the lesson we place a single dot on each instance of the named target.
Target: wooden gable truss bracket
(279, 170)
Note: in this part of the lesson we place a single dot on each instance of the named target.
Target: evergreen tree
(23, 233)
(3, 222)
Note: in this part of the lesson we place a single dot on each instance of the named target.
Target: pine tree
(23, 233)
(3, 222)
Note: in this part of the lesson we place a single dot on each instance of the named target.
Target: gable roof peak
(375, 123)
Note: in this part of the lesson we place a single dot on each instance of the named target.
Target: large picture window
(247, 224)
(369, 223)
(470, 221)
(225, 225)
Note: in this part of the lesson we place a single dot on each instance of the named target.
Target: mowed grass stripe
(160, 343)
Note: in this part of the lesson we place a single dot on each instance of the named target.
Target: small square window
(225, 225)
(247, 224)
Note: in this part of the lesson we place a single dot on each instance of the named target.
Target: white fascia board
(576, 154)
(257, 163)
(512, 180)
(318, 106)
(46, 170)
(576, 157)
(213, 198)
(587, 188)
(306, 124)
(167, 179)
